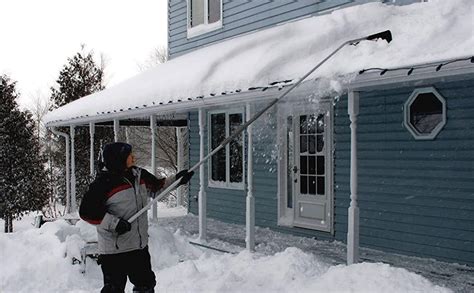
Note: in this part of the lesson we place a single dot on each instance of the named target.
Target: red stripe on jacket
(93, 222)
(118, 189)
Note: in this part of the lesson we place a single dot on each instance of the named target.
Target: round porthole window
(425, 113)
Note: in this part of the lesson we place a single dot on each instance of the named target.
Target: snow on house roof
(422, 33)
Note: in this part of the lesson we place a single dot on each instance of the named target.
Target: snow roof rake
(385, 35)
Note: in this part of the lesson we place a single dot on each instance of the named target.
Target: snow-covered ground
(39, 260)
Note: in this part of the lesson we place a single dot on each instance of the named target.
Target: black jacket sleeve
(93, 209)
(152, 183)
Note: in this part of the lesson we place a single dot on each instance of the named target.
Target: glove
(123, 226)
(185, 176)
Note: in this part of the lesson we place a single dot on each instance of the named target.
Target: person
(113, 197)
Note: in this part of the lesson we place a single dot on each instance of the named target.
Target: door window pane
(321, 185)
(312, 165)
(304, 184)
(312, 124)
(320, 143)
(321, 166)
(214, 12)
(304, 165)
(312, 144)
(303, 124)
(303, 144)
(320, 123)
(312, 184)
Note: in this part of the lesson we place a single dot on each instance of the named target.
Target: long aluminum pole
(384, 35)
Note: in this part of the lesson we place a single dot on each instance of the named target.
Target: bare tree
(158, 56)
(39, 108)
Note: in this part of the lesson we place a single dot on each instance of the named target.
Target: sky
(39, 36)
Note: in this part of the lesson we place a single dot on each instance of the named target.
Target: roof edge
(427, 73)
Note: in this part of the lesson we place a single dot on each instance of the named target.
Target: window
(226, 166)
(425, 113)
(204, 16)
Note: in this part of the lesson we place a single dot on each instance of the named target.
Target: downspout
(91, 158)
(68, 193)
(153, 159)
(73, 170)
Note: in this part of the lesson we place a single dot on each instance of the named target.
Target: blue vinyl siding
(415, 197)
(239, 17)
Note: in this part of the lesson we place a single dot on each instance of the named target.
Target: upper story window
(226, 168)
(425, 113)
(204, 16)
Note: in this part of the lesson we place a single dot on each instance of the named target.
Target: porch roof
(274, 57)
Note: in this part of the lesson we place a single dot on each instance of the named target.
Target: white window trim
(406, 121)
(227, 184)
(202, 28)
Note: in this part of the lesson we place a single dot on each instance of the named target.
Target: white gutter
(184, 106)
(68, 184)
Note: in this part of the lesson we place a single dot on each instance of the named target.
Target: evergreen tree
(79, 77)
(23, 178)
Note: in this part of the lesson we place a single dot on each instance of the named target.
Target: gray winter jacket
(111, 197)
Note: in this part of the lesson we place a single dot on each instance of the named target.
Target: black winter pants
(133, 264)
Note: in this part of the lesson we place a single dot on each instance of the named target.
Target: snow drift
(40, 260)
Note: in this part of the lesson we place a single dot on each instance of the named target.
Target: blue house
(379, 156)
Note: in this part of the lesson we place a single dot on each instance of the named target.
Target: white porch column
(153, 159)
(353, 217)
(116, 130)
(250, 211)
(127, 135)
(73, 172)
(179, 164)
(202, 192)
(91, 133)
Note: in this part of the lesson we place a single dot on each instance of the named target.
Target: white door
(312, 170)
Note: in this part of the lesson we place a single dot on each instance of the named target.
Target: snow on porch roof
(422, 33)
